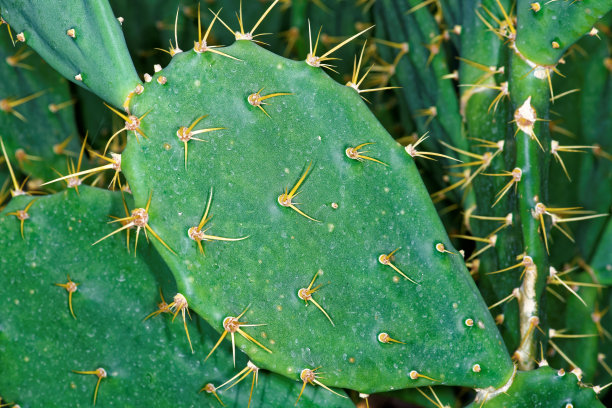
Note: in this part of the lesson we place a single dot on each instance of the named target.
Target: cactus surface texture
(323, 203)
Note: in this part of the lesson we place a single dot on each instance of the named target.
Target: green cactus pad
(541, 37)
(366, 209)
(148, 363)
(85, 45)
(544, 388)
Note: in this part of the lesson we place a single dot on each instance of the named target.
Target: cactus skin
(148, 363)
(223, 282)
(97, 37)
(602, 259)
(594, 103)
(526, 228)
(536, 31)
(543, 388)
(42, 128)
(420, 79)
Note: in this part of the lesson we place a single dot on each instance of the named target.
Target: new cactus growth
(283, 221)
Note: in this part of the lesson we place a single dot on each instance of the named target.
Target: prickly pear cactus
(292, 248)
(70, 312)
(354, 209)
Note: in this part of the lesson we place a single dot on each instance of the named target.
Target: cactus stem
(525, 117)
(528, 309)
(309, 376)
(385, 338)
(185, 134)
(256, 99)
(232, 325)
(250, 368)
(286, 199)
(211, 389)
(22, 215)
(355, 154)
(385, 259)
(196, 233)
(98, 372)
(70, 287)
(306, 295)
(419, 6)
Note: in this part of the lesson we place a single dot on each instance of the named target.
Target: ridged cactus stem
(530, 98)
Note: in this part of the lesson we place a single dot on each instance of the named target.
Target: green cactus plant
(326, 262)
(51, 330)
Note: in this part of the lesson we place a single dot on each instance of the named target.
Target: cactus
(543, 387)
(35, 100)
(284, 218)
(145, 361)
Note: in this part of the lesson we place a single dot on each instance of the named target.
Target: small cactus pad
(358, 204)
(543, 388)
(146, 363)
(81, 39)
(542, 39)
